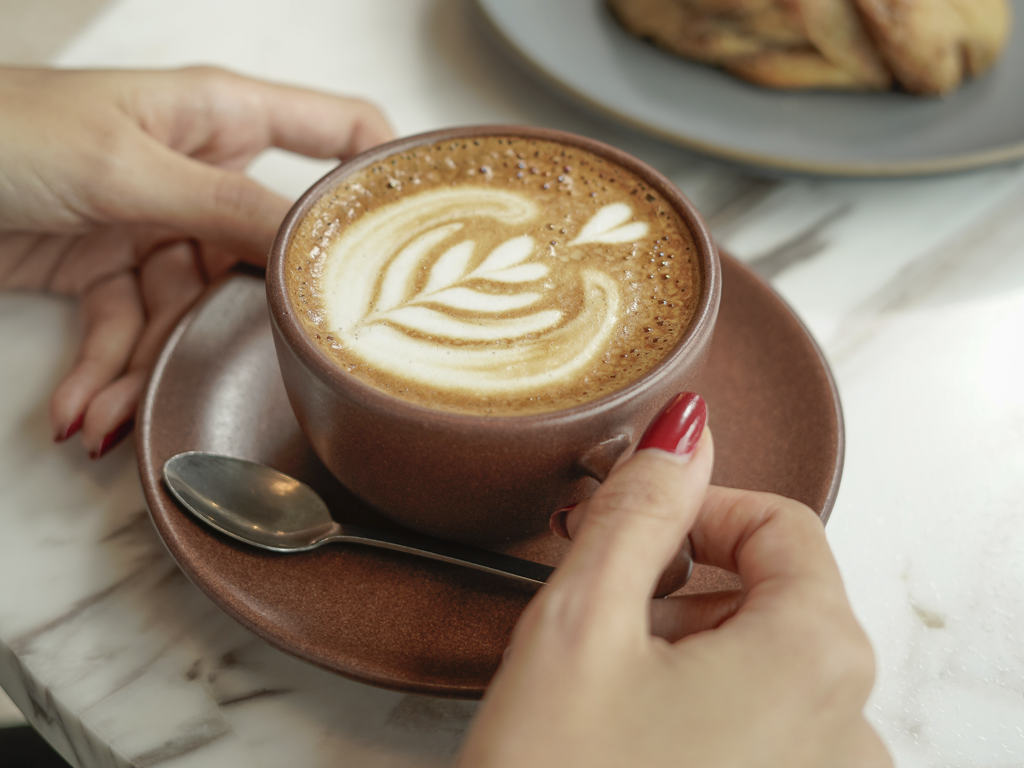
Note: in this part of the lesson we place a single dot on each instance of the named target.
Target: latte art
(437, 280)
(429, 333)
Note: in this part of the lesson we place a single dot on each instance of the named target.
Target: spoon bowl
(260, 506)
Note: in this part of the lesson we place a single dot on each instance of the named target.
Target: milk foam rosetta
(446, 288)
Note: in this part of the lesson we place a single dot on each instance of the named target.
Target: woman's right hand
(598, 674)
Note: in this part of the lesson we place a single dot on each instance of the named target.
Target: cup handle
(599, 460)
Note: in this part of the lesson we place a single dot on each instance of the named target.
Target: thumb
(200, 200)
(627, 532)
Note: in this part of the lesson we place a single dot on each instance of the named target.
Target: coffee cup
(474, 324)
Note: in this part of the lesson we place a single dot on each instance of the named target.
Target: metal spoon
(266, 508)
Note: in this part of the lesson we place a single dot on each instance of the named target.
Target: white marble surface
(915, 288)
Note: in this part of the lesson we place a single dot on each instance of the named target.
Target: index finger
(301, 120)
(763, 538)
(187, 172)
(794, 630)
(321, 125)
(633, 525)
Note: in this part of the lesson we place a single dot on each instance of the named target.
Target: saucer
(416, 625)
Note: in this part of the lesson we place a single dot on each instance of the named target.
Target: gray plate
(576, 46)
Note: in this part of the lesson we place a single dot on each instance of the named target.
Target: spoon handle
(445, 551)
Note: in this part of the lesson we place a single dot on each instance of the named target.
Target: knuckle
(170, 277)
(570, 613)
(847, 661)
(372, 116)
(108, 171)
(207, 75)
(632, 500)
(220, 87)
(560, 606)
(840, 658)
(859, 670)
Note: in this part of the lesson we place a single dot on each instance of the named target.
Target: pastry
(925, 46)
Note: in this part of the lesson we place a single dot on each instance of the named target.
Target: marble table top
(914, 288)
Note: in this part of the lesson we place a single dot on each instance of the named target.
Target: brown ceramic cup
(474, 478)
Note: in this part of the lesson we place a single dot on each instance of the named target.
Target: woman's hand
(126, 189)
(598, 674)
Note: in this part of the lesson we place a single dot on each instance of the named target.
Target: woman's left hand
(126, 190)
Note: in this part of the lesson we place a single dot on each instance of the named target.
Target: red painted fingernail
(113, 437)
(557, 522)
(72, 428)
(679, 427)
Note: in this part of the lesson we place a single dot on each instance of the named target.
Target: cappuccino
(494, 275)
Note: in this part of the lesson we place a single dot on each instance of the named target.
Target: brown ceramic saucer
(415, 625)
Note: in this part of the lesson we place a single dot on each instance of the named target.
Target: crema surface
(494, 275)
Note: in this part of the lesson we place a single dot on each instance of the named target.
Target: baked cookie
(927, 46)
(932, 46)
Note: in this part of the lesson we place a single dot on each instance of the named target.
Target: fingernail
(112, 438)
(71, 429)
(679, 427)
(557, 522)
